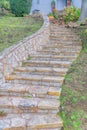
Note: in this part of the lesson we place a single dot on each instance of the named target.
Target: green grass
(74, 90)
(14, 29)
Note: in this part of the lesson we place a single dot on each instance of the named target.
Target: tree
(83, 10)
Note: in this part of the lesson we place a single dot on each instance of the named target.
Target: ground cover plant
(13, 29)
(74, 90)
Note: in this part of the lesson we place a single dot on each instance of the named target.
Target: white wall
(60, 4)
(77, 3)
(45, 5)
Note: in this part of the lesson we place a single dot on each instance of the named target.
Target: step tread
(40, 69)
(32, 90)
(47, 62)
(31, 121)
(41, 78)
(33, 104)
(52, 56)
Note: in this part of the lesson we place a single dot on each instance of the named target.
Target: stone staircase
(30, 96)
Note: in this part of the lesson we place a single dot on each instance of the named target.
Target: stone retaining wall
(14, 55)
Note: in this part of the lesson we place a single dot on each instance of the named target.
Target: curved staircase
(30, 96)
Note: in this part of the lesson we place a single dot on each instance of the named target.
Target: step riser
(41, 58)
(64, 38)
(60, 44)
(68, 43)
(60, 32)
(46, 65)
(62, 48)
(19, 110)
(59, 53)
(71, 35)
(51, 73)
(26, 95)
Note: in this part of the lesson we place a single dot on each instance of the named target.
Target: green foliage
(55, 15)
(53, 2)
(50, 14)
(14, 29)
(84, 38)
(82, 32)
(73, 122)
(5, 4)
(71, 14)
(68, 78)
(20, 7)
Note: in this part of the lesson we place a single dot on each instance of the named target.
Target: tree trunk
(83, 10)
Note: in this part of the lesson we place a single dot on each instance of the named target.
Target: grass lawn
(74, 93)
(13, 29)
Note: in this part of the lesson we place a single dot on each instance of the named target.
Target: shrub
(5, 4)
(20, 7)
(71, 14)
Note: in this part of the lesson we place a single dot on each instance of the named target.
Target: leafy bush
(5, 4)
(20, 7)
(71, 14)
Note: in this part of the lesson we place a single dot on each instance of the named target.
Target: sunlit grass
(14, 29)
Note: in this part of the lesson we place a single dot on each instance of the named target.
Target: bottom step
(30, 122)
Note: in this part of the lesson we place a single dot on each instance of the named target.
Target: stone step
(33, 91)
(70, 35)
(61, 29)
(55, 34)
(39, 83)
(58, 50)
(52, 57)
(67, 53)
(59, 37)
(27, 78)
(38, 63)
(68, 43)
(61, 32)
(20, 105)
(41, 71)
(63, 40)
(61, 47)
(31, 122)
